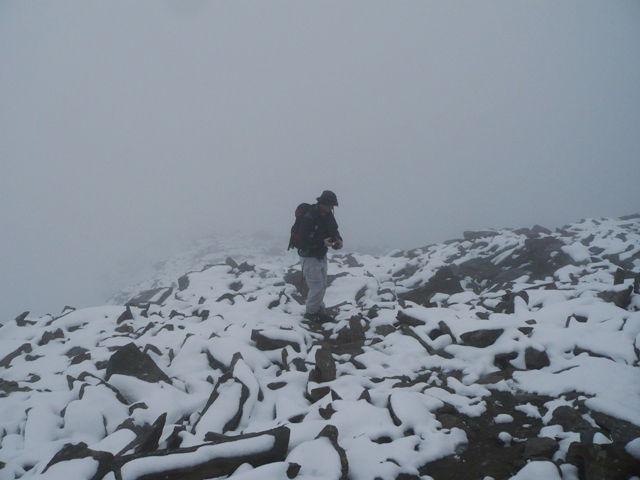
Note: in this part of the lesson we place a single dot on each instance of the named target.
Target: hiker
(318, 230)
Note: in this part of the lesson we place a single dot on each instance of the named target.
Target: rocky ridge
(504, 354)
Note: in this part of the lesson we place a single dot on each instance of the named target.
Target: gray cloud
(128, 128)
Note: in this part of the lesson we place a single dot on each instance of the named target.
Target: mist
(129, 128)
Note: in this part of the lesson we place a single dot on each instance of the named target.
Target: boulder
(129, 360)
(535, 359)
(543, 447)
(444, 281)
(481, 338)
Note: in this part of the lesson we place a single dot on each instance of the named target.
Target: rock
(79, 451)
(545, 255)
(408, 320)
(126, 315)
(183, 282)
(481, 338)
(570, 419)
(21, 320)
(508, 302)
(231, 262)
(325, 365)
(543, 447)
(246, 267)
(444, 281)
(472, 236)
(602, 462)
(618, 278)
(264, 342)
(620, 298)
(538, 229)
(535, 360)
(619, 430)
(156, 296)
(293, 469)
(24, 348)
(129, 360)
(331, 432)
(503, 360)
(205, 461)
(49, 336)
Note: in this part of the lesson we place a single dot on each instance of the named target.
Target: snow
(386, 398)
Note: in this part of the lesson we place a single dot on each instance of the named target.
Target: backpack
(294, 239)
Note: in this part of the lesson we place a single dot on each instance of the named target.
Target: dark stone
(276, 385)
(235, 286)
(326, 412)
(129, 360)
(444, 281)
(205, 466)
(24, 348)
(602, 462)
(183, 282)
(621, 299)
(80, 450)
(444, 328)
(21, 320)
(618, 278)
(619, 430)
(535, 360)
(325, 365)
(538, 251)
(636, 284)
(538, 447)
(49, 336)
(570, 419)
(246, 267)
(435, 333)
(331, 432)
(232, 424)
(126, 315)
(472, 236)
(408, 320)
(508, 302)
(294, 277)
(149, 442)
(231, 262)
(9, 386)
(384, 330)
(293, 469)
(539, 229)
(265, 343)
(503, 360)
(479, 269)
(144, 298)
(481, 338)
(526, 330)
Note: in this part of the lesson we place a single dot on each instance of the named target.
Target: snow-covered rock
(505, 354)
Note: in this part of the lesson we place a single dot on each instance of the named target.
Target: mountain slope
(503, 352)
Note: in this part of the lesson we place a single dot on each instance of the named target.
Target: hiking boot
(318, 317)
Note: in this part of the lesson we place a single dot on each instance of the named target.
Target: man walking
(318, 231)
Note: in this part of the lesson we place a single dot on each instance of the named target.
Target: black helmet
(328, 198)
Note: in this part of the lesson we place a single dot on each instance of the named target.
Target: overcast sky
(129, 127)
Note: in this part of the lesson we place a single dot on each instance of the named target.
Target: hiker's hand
(328, 242)
(337, 244)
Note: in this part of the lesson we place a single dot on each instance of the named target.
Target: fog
(129, 128)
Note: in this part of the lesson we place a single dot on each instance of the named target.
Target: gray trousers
(315, 274)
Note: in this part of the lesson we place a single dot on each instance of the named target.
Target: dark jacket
(314, 228)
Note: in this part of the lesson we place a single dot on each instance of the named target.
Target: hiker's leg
(314, 272)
